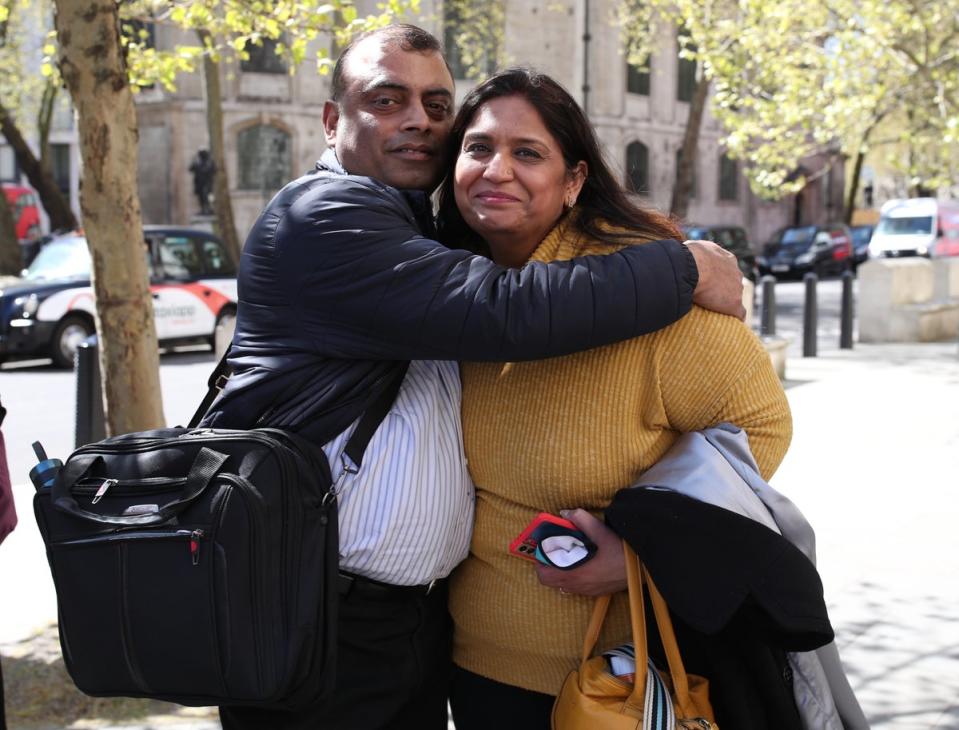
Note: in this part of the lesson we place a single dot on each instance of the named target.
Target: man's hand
(604, 573)
(720, 286)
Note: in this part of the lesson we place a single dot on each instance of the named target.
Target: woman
(530, 184)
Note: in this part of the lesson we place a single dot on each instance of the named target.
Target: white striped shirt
(407, 516)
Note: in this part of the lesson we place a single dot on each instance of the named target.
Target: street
(872, 465)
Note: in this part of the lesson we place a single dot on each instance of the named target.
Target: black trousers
(393, 667)
(479, 703)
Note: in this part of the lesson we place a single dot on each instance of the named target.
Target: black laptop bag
(199, 566)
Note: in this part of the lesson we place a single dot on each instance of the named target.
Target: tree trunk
(11, 260)
(56, 206)
(854, 184)
(685, 175)
(94, 70)
(222, 203)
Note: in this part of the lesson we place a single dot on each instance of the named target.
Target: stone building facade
(273, 124)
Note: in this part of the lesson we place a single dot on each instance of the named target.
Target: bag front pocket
(138, 612)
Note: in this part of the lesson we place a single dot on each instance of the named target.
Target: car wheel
(72, 330)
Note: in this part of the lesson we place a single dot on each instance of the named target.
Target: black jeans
(479, 703)
(393, 668)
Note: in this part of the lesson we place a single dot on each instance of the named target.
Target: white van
(917, 227)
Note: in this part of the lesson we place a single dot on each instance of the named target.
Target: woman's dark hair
(602, 199)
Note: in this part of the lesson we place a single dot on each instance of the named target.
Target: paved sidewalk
(874, 466)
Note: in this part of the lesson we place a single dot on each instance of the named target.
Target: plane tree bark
(93, 67)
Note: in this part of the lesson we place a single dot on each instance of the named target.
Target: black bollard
(767, 322)
(90, 421)
(846, 312)
(809, 316)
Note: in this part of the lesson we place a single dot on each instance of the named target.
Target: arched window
(637, 168)
(265, 158)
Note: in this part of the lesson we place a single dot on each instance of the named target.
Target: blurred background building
(272, 121)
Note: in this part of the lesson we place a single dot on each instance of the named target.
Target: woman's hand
(604, 573)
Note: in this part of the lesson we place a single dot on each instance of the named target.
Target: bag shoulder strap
(373, 416)
(215, 383)
(370, 421)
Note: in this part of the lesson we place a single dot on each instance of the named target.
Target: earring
(570, 200)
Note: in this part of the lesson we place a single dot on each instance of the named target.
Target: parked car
(861, 235)
(731, 238)
(798, 250)
(917, 227)
(49, 312)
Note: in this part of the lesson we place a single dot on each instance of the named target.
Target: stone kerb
(946, 279)
(908, 300)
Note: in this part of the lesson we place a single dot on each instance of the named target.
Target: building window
(263, 59)
(265, 159)
(477, 26)
(141, 32)
(637, 79)
(686, 72)
(694, 189)
(60, 166)
(637, 168)
(728, 179)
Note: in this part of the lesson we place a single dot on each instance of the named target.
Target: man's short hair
(409, 38)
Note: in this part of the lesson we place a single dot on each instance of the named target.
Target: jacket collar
(418, 201)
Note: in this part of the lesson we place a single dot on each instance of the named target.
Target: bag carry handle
(205, 466)
(636, 575)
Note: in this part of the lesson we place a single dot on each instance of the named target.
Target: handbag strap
(636, 575)
(673, 658)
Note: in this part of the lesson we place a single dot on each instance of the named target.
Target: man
(339, 281)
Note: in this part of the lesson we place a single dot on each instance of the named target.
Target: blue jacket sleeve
(347, 267)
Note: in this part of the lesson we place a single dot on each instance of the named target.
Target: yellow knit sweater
(570, 432)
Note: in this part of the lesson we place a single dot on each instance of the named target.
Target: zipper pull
(107, 483)
(195, 538)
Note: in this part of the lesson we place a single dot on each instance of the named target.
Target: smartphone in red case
(558, 533)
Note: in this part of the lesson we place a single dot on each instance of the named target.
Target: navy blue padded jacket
(339, 280)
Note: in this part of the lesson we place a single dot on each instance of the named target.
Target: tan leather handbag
(594, 699)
